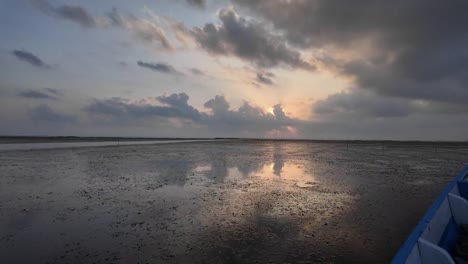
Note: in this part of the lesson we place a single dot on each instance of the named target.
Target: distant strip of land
(64, 139)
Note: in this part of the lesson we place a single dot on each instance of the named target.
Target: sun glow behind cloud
(270, 110)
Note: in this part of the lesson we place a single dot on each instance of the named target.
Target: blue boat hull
(434, 238)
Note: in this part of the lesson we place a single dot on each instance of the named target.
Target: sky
(312, 69)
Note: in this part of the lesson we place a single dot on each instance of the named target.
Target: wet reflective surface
(215, 202)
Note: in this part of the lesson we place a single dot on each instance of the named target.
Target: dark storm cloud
(217, 104)
(197, 3)
(248, 40)
(45, 113)
(324, 22)
(30, 58)
(413, 49)
(47, 93)
(392, 80)
(159, 67)
(76, 14)
(363, 103)
(262, 78)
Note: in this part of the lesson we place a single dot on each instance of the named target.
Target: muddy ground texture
(217, 202)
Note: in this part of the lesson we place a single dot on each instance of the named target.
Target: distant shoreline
(64, 139)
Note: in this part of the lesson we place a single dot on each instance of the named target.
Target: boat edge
(405, 250)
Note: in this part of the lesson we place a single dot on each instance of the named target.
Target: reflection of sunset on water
(278, 171)
(208, 202)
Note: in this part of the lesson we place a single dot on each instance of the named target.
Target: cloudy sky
(320, 69)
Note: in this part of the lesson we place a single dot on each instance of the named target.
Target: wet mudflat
(216, 202)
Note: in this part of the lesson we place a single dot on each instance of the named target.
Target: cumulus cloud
(249, 120)
(76, 14)
(159, 67)
(30, 58)
(221, 119)
(246, 118)
(47, 93)
(248, 40)
(45, 113)
(279, 113)
(218, 104)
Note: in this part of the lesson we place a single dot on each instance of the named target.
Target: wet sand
(216, 202)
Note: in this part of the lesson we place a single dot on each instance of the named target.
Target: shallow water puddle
(281, 172)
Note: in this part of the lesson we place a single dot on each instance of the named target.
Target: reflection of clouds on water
(278, 160)
(278, 166)
(250, 167)
(221, 168)
(174, 172)
(218, 171)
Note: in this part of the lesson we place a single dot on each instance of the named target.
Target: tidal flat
(227, 201)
